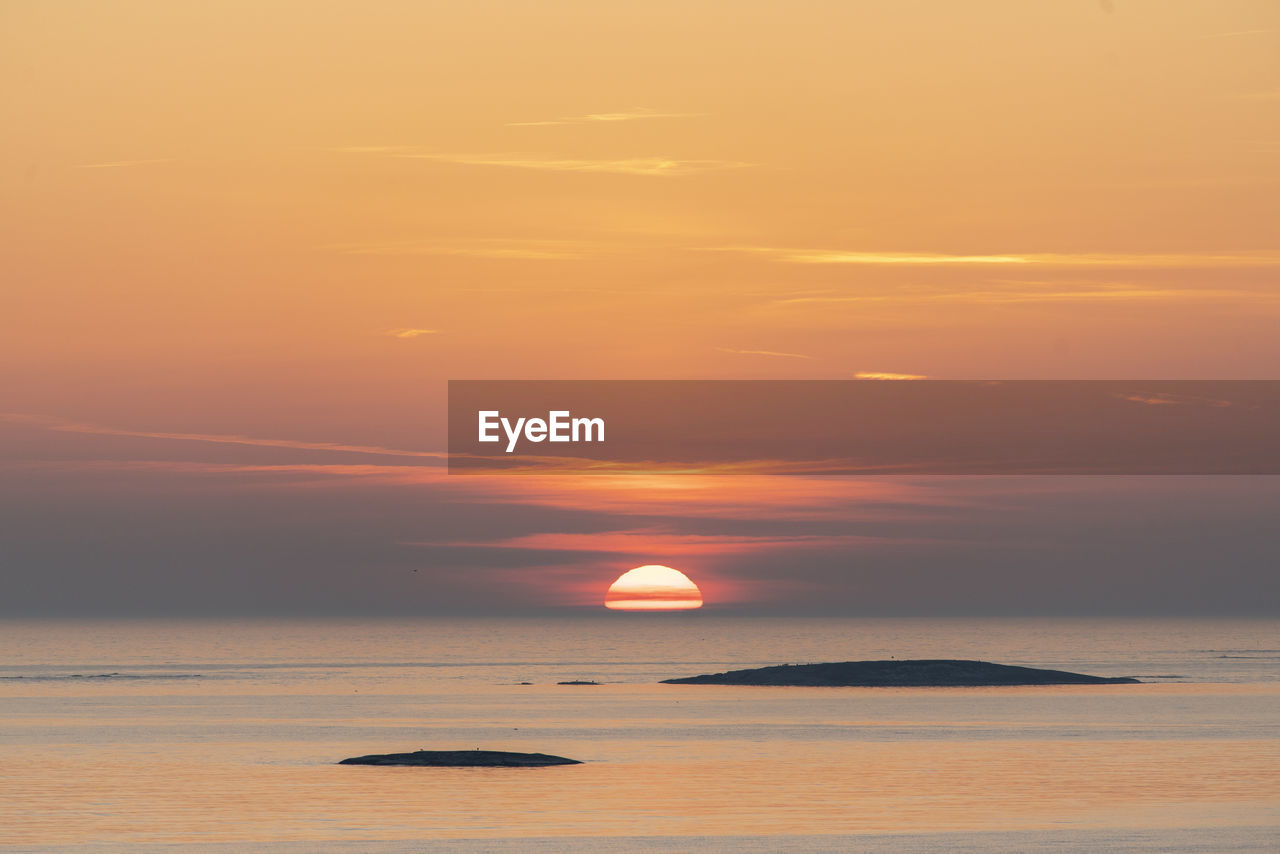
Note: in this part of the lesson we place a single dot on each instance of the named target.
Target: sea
(224, 736)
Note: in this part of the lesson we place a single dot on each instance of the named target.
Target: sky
(246, 244)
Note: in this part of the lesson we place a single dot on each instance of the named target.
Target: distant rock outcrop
(578, 682)
(462, 759)
(925, 673)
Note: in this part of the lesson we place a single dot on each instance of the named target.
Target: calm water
(161, 736)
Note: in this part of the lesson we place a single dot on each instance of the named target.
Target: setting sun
(653, 588)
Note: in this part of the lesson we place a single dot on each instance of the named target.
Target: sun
(653, 588)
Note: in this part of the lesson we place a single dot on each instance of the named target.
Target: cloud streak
(606, 118)
(112, 164)
(650, 166)
(650, 541)
(66, 426)
(1041, 259)
(1234, 34)
(1128, 293)
(885, 375)
(285, 473)
(763, 353)
(1264, 95)
(524, 250)
(1167, 399)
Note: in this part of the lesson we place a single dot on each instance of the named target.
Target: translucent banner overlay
(862, 427)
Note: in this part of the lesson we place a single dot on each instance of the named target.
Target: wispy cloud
(1262, 146)
(1125, 293)
(733, 496)
(885, 375)
(525, 250)
(285, 472)
(1264, 95)
(1168, 399)
(595, 118)
(410, 333)
(836, 256)
(111, 164)
(763, 353)
(652, 166)
(66, 426)
(1044, 259)
(650, 541)
(1234, 34)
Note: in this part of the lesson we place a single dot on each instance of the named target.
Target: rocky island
(462, 759)
(924, 673)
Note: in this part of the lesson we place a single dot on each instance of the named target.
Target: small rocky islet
(462, 759)
(907, 673)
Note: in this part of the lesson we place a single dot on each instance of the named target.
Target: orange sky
(250, 195)
(297, 220)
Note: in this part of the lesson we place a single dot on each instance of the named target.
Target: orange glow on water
(653, 588)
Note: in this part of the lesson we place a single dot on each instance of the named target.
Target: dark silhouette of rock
(925, 673)
(462, 759)
(579, 682)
